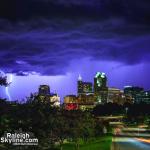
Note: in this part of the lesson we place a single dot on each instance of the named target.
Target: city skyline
(9, 95)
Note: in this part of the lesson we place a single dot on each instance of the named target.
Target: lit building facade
(70, 99)
(143, 97)
(85, 98)
(116, 96)
(100, 87)
(100, 81)
(79, 84)
(86, 101)
(83, 101)
(55, 99)
(71, 102)
(84, 87)
(47, 97)
(133, 92)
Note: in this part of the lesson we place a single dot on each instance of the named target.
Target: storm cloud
(135, 10)
(45, 36)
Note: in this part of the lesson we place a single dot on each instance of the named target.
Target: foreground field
(102, 143)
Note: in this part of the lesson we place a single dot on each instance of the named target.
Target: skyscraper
(100, 82)
(80, 89)
(84, 87)
(100, 87)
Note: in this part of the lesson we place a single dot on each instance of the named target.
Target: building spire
(79, 78)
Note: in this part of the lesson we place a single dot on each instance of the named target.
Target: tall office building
(44, 90)
(100, 82)
(80, 88)
(100, 87)
(87, 87)
(85, 94)
(84, 87)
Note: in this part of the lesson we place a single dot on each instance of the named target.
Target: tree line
(51, 125)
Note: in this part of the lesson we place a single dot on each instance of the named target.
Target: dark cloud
(135, 10)
(48, 46)
(46, 35)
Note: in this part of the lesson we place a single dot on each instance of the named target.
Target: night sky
(53, 41)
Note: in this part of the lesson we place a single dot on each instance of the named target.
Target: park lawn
(101, 143)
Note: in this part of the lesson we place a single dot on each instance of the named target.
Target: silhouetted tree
(3, 81)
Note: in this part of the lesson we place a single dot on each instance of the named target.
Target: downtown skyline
(17, 91)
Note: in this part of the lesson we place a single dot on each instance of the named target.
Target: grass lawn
(101, 143)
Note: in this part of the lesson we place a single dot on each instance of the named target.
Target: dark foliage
(49, 124)
(3, 81)
(108, 109)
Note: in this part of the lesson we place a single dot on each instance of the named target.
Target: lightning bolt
(9, 79)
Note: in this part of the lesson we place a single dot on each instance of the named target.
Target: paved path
(125, 143)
